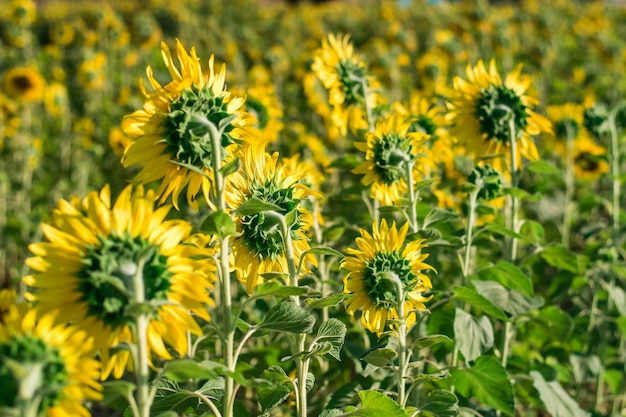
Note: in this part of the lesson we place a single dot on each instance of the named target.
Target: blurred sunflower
(262, 103)
(45, 370)
(259, 247)
(170, 129)
(381, 258)
(24, 84)
(345, 76)
(92, 254)
(388, 152)
(481, 108)
(589, 159)
(567, 120)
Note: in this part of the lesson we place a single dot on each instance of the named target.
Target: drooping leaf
(513, 302)
(277, 388)
(254, 206)
(288, 317)
(428, 341)
(557, 401)
(331, 300)
(332, 331)
(473, 335)
(439, 403)
(488, 382)
(560, 257)
(473, 298)
(322, 250)
(437, 215)
(380, 357)
(508, 275)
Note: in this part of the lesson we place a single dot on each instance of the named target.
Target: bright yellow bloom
(379, 254)
(589, 159)
(86, 268)
(349, 86)
(259, 248)
(480, 111)
(168, 130)
(388, 153)
(52, 364)
(24, 84)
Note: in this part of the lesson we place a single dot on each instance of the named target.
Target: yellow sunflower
(349, 86)
(567, 120)
(92, 253)
(379, 254)
(24, 84)
(45, 369)
(259, 248)
(589, 159)
(168, 131)
(263, 104)
(480, 110)
(388, 150)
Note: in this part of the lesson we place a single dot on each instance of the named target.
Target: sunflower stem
(402, 350)
(569, 184)
(141, 360)
(302, 364)
(514, 182)
(615, 159)
(412, 197)
(224, 275)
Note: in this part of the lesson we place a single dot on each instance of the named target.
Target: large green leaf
(473, 335)
(218, 223)
(488, 382)
(186, 369)
(288, 317)
(509, 276)
(560, 257)
(376, 404)
(439, 403)
(473, 298)
(556, 399)
(513, 302)
(333, 332)
(276, 388)
(380, 357)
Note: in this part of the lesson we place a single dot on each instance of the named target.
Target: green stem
(514, 203)
(224, 275)
(402, 349)
(141, 359)
(302, 364)
(412, 197)
(569, 185)
(615, 157)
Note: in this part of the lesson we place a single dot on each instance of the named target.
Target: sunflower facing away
(259, 248)
(377, 255)
(47, 366)
(24, 84)
(568, 123)
(388, 150)
(480, 110)
(167, 131)
(85, 268)
(345, 75)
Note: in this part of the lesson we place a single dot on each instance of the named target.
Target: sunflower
(349, 86)
(480, 110)
(24, 84)
(168, 130)
(379, 254)
(262, 103)
(568, 122)
(589, 159)
(44, 365)
(388, 150)
(92, 253)
(259, 247)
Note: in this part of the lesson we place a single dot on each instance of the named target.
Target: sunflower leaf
(428, 341)
(437, 215)
(184, 369)
(332, 331)
(475, 299)
(275, 389)
(543, 167)
(380, 357)
(439, 403)
(509, 276)
(256, 206)
(488, 382)
(376, 404)
(322, 250)
(218, 223)
(331, 300)
(474, 335)
(288, 317)
(556, 399)
(231, 167)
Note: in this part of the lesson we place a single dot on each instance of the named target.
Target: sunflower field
(250, 208)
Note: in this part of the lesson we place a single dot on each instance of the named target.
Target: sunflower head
(47, 366)
(488, 113)
(380, 271)
(24, 84)
(102, 265)
(180, 125)
(389, 152)
(589, 159)
(260, 247)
